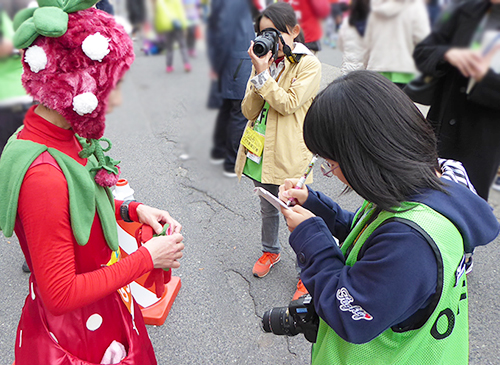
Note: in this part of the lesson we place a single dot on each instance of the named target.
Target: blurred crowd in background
(378, 35)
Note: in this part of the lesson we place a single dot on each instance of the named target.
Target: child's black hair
(283, 17)
(382, 143)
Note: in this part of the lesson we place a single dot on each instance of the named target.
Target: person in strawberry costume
(55, 179)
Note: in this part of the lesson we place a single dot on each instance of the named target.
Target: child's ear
(295, 31)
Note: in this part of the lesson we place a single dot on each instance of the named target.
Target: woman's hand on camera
(260, 63)
(157, 218)
(296, 215)
(288, 190)
(165, 251)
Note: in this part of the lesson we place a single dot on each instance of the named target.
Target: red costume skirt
(81, 336)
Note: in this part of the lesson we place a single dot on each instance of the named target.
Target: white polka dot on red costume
(33, 296)
(96, 47)
(20, 337)
(54, 337)
(94, 322)
(36, 58)
(85, 103)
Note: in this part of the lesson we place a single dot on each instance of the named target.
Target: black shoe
(26, 268)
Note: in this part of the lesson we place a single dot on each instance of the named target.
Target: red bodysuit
(73, 310)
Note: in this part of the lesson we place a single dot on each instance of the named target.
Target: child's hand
(288, 190)
(260, 63)
(296, 215)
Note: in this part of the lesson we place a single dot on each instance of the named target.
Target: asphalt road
(216, 316)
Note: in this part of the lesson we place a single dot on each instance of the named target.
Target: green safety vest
(443, 336)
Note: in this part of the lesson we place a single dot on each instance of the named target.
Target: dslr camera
(298, 317)
(267, 40)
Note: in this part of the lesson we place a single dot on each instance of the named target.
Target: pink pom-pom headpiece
(74, 74)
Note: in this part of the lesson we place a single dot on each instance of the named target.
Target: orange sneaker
(301, 290)
(264, 264)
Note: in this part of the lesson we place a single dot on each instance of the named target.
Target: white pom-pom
(96, 47)
(36, 58)
(85, 103)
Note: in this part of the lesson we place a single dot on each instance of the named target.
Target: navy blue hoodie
(396, 274)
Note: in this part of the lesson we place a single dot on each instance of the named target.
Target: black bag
(423, 89)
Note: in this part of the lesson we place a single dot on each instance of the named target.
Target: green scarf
(85, 196)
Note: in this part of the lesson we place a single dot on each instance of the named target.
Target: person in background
(395, 290)
(330, 25)
(106, 6)
(55, 181)
(192, 9)
(136, 10)
(394, 28)
(228, 39)
(466, 114)
(350, 36)
(174, 33)
(279, 92)
(14, 102)
(434, 10)
(310, 14)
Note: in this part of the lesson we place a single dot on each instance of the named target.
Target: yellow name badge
(253, 141)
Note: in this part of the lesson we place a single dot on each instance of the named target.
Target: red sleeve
(132, 210)
(46, 221)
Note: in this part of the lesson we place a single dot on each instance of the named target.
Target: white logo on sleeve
(345, 300)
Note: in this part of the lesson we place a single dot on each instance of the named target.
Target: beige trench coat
(285, 154)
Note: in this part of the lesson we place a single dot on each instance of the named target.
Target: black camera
(266, 41)
(299, 317)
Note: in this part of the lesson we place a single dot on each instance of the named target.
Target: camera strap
(290, 56)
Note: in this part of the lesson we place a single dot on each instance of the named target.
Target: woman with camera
(283, 83)
(395, 291)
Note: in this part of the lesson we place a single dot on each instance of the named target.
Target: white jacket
(394, 28)
(352, 46)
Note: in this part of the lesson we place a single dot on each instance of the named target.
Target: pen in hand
(302, 180)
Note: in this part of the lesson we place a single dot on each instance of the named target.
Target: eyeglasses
(327, 169)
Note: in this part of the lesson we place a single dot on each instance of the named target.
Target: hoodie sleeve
(396, 276)
(337, 220)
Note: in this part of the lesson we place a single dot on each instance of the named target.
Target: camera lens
(259, 50)
(277, 321)
(264, 43)
(298, 317)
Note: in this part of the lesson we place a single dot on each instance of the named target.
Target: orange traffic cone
(154, 310)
